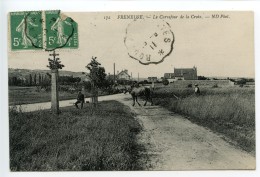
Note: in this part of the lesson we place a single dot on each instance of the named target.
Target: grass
(229, 111)
(75, 140)
(28, 95)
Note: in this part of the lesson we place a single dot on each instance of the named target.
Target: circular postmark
(149, 41)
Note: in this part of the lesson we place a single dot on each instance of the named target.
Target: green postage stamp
(26, 30)
(42, 30)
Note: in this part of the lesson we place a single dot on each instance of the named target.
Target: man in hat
(80, 99)
(197, 89)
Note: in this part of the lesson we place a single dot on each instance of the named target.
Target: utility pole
(114, 72)
(138, 77)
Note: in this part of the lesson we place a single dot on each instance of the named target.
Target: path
(64, 103)
(174, 143)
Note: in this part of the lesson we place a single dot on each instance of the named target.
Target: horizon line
(147, 76)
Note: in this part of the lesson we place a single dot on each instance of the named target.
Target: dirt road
(174, 143)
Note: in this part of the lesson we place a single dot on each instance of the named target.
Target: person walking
(197, 89)
(153, 86)
(80, 99)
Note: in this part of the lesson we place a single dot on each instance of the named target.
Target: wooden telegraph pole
(54, 65)
(114, 73)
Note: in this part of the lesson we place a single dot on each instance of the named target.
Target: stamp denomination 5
(26, 30)
(49, 30)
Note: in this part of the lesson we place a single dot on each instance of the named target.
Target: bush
(241, 82)
(165, 82)
(215, 86)
(202, 78)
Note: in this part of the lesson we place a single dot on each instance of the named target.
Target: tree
(101, 77)
(34, 80)
(68, 80)
(40, 79)
(49, 76)
(46, 82)
(97, 74)
(10, 81)
(87, 85)
(30, 80)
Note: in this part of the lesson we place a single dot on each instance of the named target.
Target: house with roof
(152, 79)
(120, 76)
(123, 75)
(182, 74)
(169, 76)
(186, 73)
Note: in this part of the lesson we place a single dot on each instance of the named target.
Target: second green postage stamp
(48, 30)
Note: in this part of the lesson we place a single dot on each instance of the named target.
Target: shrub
(165, 82)
(189, 85)
(215, 86)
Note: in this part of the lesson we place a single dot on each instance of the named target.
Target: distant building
(182, 74)
(169, 75)
(123, 75)
(186, 73)
(152, 79)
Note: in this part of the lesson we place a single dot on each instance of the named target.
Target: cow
(138, 91)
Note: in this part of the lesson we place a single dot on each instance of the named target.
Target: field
(28, 95)
(227, 110)
(75, 140)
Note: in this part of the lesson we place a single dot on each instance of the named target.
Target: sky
(221, 47)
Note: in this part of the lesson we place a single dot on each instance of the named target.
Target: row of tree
(31, 80)
(41, 80)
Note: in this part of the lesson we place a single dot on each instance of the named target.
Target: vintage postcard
(128, 91)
